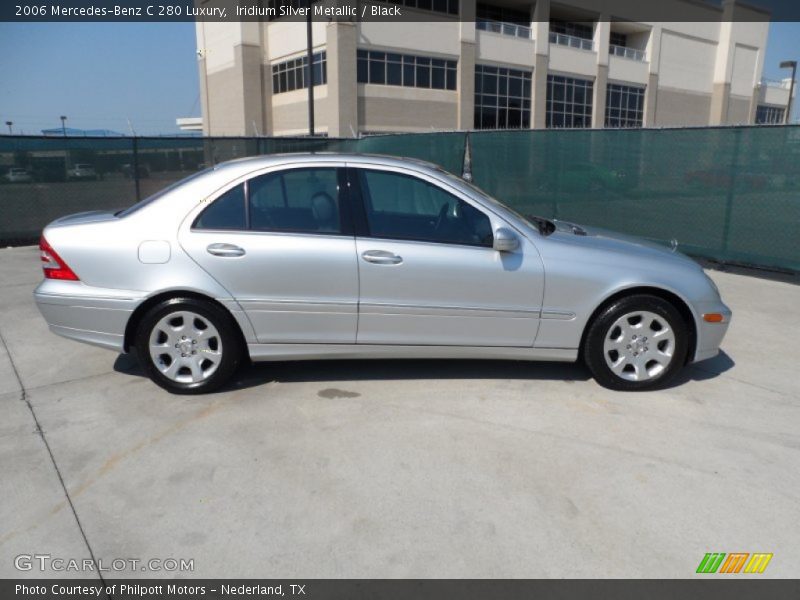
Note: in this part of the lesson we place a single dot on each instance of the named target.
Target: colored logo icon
(736, 562)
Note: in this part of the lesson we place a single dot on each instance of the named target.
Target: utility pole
(790, 64)
(310, 71)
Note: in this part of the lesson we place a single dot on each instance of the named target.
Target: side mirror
(505, 240)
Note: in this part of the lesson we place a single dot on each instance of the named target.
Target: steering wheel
(440, 219)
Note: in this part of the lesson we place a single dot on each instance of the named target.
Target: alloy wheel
(185, 347)
(639, 346)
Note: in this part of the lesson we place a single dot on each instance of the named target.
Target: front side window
(298, 200)
(407, 208)
(226, 212)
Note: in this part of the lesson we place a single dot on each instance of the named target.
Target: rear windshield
(144, 202)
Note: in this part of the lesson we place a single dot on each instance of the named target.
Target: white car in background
(18, 175)
(81, 171)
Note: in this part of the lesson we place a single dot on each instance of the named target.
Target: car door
(282, 244)
(428, 272)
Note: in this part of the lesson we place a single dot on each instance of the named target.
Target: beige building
(490, 64)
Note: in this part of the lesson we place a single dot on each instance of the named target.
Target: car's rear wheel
(188, 346)
(636, 343)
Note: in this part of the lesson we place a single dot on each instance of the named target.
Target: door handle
(225, 250)
(381, 257)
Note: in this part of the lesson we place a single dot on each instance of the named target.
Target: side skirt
(265, 352)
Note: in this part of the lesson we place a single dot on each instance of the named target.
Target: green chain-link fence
(729, 194)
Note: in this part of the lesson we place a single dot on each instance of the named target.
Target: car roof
(256, 162)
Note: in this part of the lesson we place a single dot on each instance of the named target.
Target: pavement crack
(41, 432)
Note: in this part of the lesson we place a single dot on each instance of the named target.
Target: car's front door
(428, 272)
(282, 244)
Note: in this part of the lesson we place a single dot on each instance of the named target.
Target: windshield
(544, 226)
(142, 203)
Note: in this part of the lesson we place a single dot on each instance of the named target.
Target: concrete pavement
(405, 468)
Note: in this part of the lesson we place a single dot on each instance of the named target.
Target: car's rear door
(428, 272)
(282, 244)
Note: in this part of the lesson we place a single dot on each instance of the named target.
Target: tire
(636, 343)
(188, 346)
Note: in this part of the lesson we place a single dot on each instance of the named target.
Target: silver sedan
(352, 256)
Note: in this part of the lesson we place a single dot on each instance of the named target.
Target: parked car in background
(128, 170)
(17, 175)
(81, 171)
(315, 256)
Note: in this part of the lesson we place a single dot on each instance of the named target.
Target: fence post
(726, 227)
(466, 163)
(136, 168)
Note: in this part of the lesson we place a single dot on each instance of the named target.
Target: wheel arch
(141, 310)
(681, 305)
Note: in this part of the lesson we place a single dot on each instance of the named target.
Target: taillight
(53, 265)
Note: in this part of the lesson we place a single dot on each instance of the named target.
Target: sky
(99, 75)
(107, 75)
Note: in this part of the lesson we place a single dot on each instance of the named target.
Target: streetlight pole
(310, 71)
(63, 127)
(9, 124)
(790, 64)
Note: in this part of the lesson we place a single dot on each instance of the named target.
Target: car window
(404, 207)
(302, 200)
(226, 212)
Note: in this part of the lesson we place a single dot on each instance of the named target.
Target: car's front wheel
(636, 343)
(188, 346)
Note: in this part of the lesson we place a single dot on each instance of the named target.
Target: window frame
(622, 118)
(561, 106)
(497, 105)
(344, 199)
(355, 177)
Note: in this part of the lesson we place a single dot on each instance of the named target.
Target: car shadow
(707, 369)
(256, 374)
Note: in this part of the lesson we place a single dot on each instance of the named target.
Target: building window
(569, 102)
(290, 75)
(388, 68)
(502, 98)
(506, 21)
(769, 115)
(448, 7)
(618, 39)
(579, 30)
(624, 106)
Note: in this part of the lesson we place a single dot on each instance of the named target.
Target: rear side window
(297, 200)
(226, 212)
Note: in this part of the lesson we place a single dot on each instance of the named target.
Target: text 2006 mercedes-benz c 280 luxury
(352, 256)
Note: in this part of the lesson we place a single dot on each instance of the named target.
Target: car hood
(612, 241)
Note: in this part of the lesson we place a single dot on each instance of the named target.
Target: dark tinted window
(404, 207)
(226, 212)
(299, 200)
